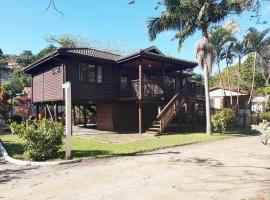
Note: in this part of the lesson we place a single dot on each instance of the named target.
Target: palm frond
(166, 21)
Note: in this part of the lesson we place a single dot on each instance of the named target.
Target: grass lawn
(89, 147)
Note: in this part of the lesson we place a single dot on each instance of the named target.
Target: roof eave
(41, 60)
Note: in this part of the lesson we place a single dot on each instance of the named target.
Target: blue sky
(24, 24)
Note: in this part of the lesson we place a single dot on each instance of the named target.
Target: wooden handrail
(168, 105)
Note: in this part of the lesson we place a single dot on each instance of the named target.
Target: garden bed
(89, 147)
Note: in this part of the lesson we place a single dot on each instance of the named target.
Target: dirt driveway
(230, 169)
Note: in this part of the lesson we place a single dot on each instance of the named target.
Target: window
(83, 72)
(99, 74)
(90, 73)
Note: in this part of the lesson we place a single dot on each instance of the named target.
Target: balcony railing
(149, 89)
(158, 89)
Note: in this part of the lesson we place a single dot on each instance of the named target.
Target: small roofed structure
(221, 98)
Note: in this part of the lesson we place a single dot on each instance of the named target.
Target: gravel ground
(228, 169)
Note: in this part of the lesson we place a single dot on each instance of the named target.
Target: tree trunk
(207, 102)
(229, 82)
(253, 78)
(238, 84)
(206, 88)
(220, 79)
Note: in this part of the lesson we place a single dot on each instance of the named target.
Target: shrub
(264, 129)
(222, 120)
(16, 118)
(42, 140)
(16, 128)
(264, 116)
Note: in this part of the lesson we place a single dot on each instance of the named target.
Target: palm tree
(228, 54)
(188, 16)
(255, 41)
(219, 37)
(240, 51)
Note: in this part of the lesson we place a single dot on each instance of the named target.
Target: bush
(264, 129)
(222, 120)
(16, 118)
(42, 140)
(16, 128)
(264, 116)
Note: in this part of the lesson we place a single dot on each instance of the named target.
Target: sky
(25, 24)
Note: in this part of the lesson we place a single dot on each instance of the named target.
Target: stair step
(153, 129)
(151, 132)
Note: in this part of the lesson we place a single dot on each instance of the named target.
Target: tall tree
(3, 67)
(240, 51)
(188, 16)
(219, 37)
(228, 55)
(255, 41)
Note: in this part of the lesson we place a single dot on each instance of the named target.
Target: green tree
(17, 82)
(220, 36)
(25, 58)
(255, 41)
(188, 16)
(45, 51)
(240, 50)
(3, 67)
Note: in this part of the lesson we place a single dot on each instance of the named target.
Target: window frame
(88, 71)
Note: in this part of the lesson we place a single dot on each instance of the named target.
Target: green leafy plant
(222, 120)
(42, 140)
(264, 116)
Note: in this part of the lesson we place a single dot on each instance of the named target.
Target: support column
(37, 111)
(56, 112)
(141, 94)
(141, 89)
(74, 115)
(140, 118)
(162, 76)
(84, 116)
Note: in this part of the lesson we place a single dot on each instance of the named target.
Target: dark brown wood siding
(126, 116)
(105, 117)
(37, 88)
(81, 91)
(47, 83)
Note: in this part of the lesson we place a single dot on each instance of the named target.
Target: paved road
(228, 169)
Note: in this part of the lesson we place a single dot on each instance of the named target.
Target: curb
(9, 159)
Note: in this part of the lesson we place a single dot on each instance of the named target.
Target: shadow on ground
(7, 174)
(88, 153)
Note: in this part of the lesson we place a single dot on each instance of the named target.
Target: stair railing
(170, 111)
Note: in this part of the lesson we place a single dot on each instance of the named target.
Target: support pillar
(141, 94)
(37, 111)
(140, 118)
(84, 116)
(56, 112)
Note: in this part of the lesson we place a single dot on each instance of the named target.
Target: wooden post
(37, 111)
(141, 94)
(162, 76)
(74, 115)
(55, 112)
(181, 80)
(45, 112)
(140, 117)
(84, 116)
(141, 90)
